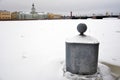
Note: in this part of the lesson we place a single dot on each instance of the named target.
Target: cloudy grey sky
(63, 6)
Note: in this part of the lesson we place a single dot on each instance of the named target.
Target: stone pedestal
(82, 53)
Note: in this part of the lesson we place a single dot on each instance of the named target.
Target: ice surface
(35, 50)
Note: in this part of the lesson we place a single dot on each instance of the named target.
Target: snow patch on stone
(82, 39)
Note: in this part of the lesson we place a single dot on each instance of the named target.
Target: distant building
(33, 15)
(5, 15)
(107, 14)
(119, 16)
(14, 15)
(25, 16)
(54, 16)
(71, 14)
(33, 10)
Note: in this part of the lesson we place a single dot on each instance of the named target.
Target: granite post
(82, 53)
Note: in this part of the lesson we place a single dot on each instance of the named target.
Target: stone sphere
(81, 28)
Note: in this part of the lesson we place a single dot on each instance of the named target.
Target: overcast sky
(63, 6)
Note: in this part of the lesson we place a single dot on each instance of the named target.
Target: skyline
(78, 7)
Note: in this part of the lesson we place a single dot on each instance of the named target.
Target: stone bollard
(82, 53)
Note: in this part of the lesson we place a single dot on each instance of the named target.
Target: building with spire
(33, 10)
(33, 15)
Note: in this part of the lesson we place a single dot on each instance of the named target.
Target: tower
(71, 14)
(33, 10)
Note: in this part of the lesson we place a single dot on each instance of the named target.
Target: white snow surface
(35, 50)
(82, 39)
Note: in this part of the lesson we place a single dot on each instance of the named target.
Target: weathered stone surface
(82, 53)
(81, 28)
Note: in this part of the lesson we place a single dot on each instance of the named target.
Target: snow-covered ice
(35, 50)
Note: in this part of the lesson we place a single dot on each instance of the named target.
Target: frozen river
(35, 50)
